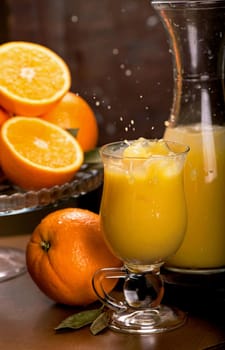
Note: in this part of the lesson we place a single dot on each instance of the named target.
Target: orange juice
(143, 211)
(204, 243)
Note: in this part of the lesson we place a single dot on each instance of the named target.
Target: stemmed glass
(143, 217)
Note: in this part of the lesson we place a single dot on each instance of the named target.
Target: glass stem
(144, 290)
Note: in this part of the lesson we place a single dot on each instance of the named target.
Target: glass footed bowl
(13, 199)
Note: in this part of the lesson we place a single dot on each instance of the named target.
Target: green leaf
(73, 131)
(80, 319)
(92, 157)
(100, 323)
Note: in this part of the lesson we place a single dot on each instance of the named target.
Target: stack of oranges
(37, 109)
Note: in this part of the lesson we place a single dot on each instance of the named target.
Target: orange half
(37, 154)
(32, 78)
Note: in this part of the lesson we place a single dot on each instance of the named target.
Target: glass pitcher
(196, 36)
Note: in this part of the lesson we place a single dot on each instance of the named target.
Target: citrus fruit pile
(63, 253)
(36, 107)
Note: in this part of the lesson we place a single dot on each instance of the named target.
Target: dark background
(117, 52)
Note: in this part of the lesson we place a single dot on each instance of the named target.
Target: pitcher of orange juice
(196, 36)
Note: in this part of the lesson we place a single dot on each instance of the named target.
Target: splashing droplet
(115, 51)
(74, 19)
(128, 72)
(152, 21)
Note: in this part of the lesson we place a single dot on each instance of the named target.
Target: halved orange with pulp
(37, 154)
(32, 78)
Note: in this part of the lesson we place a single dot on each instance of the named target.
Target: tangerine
(73, 112)
(63, 253)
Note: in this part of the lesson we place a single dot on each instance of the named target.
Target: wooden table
(28, 318)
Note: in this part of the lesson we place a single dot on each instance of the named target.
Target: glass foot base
(149, 321)
(190, 271)
(12, 263)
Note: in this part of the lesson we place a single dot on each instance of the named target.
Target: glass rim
(108, 150)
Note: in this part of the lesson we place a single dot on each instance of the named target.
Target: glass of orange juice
(143, 218)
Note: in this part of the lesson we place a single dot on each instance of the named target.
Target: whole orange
(73, 112)
(4, 115)
(64, 251)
